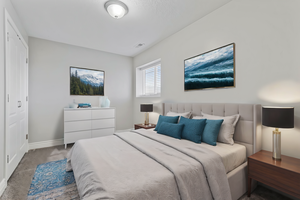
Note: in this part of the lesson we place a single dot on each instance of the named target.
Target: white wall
(49, 65)
(5, 4)
(267, 38)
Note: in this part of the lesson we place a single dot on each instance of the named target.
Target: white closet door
(22, 111)
(16, 80)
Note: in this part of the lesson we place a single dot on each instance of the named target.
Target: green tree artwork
(86, 81)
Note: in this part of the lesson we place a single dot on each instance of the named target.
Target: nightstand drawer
(138, 126)
(273, 176)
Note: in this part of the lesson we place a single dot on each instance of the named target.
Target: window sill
(146, 96)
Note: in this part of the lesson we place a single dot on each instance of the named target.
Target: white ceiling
(86, 23)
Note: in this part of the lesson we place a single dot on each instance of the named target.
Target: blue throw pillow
(193, 129)
(211, 131)
(171, 129)
(168, 119)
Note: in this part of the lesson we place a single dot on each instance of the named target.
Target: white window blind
(150, 80)
(158, 79)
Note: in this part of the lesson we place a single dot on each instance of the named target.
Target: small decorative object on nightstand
(138, 126)
(146, 108)
(277, 117)
(283, 175)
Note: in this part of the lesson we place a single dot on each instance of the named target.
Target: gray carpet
(19, 183)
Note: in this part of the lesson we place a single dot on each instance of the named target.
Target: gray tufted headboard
(248, 128)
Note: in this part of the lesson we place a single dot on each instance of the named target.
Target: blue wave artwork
(210, 70)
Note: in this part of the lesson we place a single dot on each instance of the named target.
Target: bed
(145, 165)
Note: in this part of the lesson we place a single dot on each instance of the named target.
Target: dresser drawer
(103, 123)
(103, 114)
(77, 115)
(77, 126)
(278, 178)
(103, 132)
(74, 136)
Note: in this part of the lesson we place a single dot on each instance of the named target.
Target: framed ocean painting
(86, 82)
(213, 69)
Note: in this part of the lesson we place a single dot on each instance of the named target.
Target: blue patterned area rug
(52, 181)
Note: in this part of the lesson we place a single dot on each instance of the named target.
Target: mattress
(232, 155)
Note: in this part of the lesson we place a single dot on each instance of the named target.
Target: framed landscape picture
(86, 81)
(213, 69)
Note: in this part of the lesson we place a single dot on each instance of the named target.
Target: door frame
(9, 20)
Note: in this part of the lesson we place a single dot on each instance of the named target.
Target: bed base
(247, 133)
(237, 180)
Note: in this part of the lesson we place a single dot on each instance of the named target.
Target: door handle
(19, 104)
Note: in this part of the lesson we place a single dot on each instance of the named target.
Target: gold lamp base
(146, 119)
(276, 144)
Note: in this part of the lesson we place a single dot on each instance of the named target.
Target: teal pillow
(168, 119)
(170, 129)
(193, 129)
(211, 131)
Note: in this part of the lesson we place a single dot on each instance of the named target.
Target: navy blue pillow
(170, 129)
(211, 131)
(168, 119)
(193, 129)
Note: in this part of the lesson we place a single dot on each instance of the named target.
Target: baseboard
(57, 142)
(44, 144)
(3, 185)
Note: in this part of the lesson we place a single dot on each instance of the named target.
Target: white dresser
(83, 123)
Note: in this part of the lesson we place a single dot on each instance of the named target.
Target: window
(148, 79)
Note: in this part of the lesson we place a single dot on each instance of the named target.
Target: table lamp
(146, 108)
(277, 117)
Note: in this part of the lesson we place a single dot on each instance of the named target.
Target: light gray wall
(5, 4)
(49, 64)
(267, 38)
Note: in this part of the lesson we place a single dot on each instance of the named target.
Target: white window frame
(140, 79)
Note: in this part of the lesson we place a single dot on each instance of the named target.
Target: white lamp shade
(116, 9)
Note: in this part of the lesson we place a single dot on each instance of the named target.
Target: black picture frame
(201, 75)
(87, 85)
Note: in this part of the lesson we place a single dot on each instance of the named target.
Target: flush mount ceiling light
(116, 9)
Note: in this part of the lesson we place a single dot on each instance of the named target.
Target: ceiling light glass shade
(116, 9)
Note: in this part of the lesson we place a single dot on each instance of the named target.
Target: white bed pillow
(227, 128)
(173, 114)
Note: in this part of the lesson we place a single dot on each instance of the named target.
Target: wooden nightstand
(138, 126)
(283, 175)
